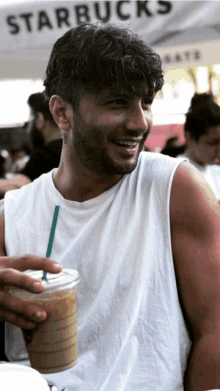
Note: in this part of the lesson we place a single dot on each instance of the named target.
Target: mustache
(130, 133)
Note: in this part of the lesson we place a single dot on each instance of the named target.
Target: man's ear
(61, 111)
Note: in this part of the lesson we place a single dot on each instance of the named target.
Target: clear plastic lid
(65, 281)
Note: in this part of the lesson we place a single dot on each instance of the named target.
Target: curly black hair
(203, 114)
(94, 57)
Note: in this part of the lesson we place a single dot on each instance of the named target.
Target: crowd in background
(20, 166)
(42, 153)
(13, 160)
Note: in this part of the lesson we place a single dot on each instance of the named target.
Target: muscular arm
(195, 229)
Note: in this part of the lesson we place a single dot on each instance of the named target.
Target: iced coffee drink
(52, 345)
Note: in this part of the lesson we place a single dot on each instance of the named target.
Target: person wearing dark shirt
(172, 147)
(43, 160)
(47, 143)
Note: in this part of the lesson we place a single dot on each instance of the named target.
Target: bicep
(195, 230)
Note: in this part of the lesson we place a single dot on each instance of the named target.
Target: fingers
(32, 262)
(15, 278)
(18, 312)
(13, 309)
(11, 271)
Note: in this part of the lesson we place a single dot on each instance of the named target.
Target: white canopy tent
(183, 32)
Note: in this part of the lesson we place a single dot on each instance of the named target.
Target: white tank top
(131, 331)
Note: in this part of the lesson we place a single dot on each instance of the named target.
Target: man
(47, 143)
(142, 229)
(202, 134)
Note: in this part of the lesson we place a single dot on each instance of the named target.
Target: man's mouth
(126, 143)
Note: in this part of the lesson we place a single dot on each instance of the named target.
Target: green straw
(52, 232)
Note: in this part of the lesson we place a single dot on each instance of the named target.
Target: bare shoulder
(192, 197)
(2, 229)
(195, 236)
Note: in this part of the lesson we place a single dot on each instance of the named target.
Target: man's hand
(13, 309)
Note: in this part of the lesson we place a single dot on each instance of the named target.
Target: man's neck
(81, 187)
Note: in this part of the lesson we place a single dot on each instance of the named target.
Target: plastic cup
(20, 378)
(52, 345)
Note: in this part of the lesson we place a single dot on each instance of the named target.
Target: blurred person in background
(20, 157)
(172, 147)
(46, 141)
(202, 133)
(5, 163)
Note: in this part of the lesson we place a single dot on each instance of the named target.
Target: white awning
(183, 32)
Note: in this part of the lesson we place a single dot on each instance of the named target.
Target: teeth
(126, 143)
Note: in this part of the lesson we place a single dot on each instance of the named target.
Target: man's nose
(138, 119)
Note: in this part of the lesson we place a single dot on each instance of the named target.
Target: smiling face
(109, 131)
(207, 149)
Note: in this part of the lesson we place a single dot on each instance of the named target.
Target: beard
(93, 154)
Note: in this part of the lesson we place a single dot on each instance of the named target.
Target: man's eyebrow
(113, 95)
(124, 95)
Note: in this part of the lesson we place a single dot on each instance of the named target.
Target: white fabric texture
(131, 331)
(210, 172)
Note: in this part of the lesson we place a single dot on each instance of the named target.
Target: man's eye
(117, 103)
